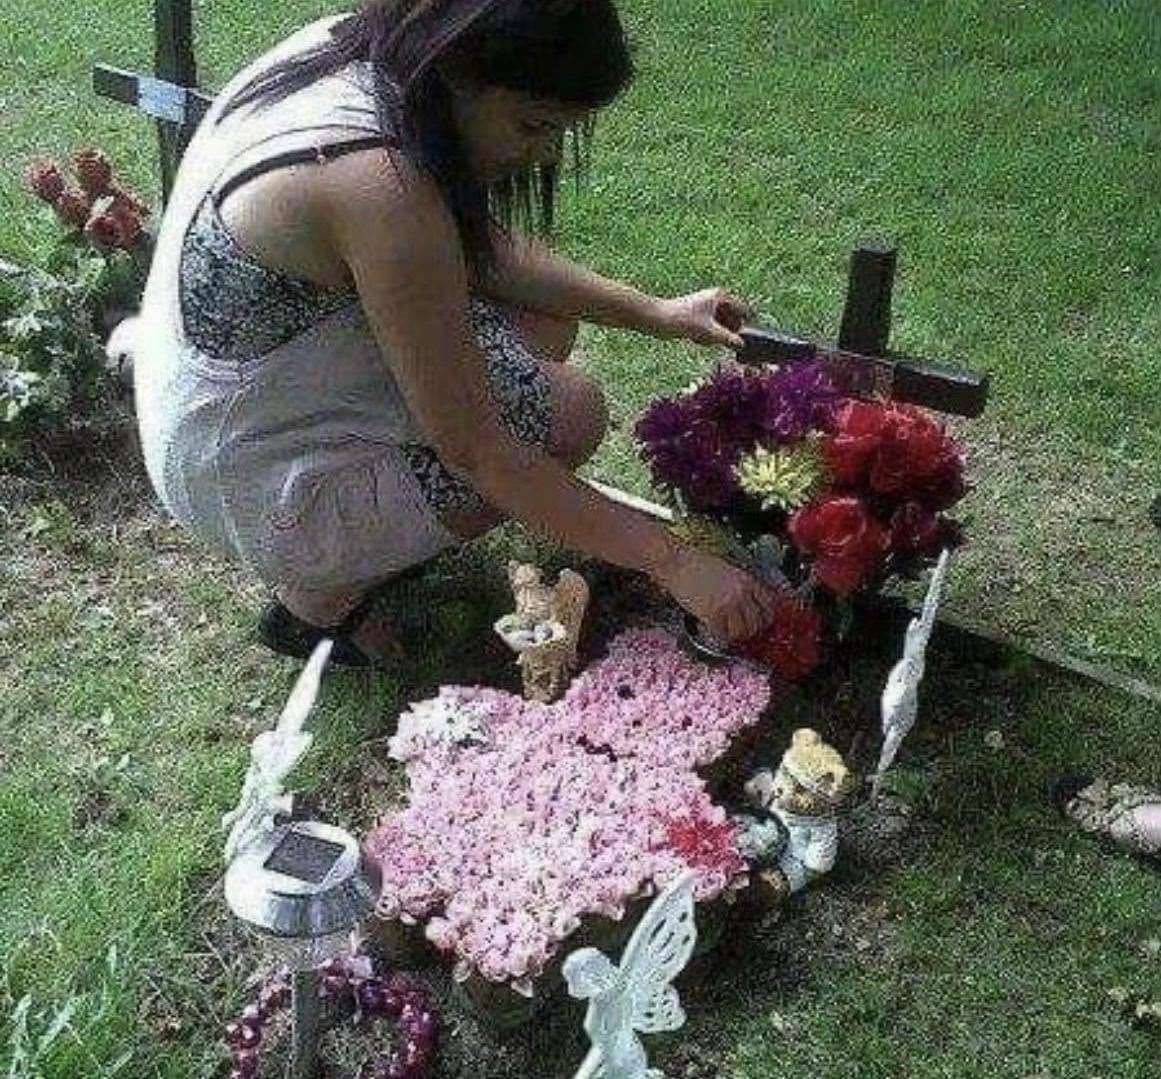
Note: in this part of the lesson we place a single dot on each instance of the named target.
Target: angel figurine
(900, 701)
(273, 756)
(637, 996)
(545, 628)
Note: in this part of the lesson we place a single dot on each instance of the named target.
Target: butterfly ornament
(637, 997)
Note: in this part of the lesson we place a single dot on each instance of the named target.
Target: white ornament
(273, 756)
(900, 701)
(811, 848)
(445, 719)
(637, 996)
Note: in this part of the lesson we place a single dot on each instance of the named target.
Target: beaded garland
(398, 997)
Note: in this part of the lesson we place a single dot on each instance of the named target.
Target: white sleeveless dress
(270, 422)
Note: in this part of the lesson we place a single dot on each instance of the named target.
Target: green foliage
(52, 369)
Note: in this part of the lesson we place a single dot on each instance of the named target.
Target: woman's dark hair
(572, 52)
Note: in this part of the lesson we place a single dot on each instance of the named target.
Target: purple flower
(692, 443)
(665, 420)
(733, 402)
(798, 398)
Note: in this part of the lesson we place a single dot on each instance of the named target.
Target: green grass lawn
(1010, 151)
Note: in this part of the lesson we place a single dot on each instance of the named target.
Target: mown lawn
(1010, 151)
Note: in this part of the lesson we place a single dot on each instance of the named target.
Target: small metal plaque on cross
(170, 94)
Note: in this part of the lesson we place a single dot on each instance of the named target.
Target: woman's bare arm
(529, 274)
(400, 243)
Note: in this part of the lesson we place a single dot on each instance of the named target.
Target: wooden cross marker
(170, 95)
(862, 363)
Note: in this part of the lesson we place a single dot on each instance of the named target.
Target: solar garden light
(299, 883)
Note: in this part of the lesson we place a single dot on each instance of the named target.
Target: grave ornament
(792, 837)
(544, 629)
(637, 996)
(900, 701)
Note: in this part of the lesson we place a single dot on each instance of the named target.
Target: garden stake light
(299, 883)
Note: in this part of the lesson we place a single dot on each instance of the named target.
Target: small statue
(900, 701)
(796, 838)
(635, 997)
(545, 629)
(273, 756)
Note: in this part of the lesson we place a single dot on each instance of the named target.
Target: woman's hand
(731, 603)
(710, 317)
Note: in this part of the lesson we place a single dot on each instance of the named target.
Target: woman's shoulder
(378, 190)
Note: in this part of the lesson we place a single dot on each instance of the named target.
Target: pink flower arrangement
(562, 811)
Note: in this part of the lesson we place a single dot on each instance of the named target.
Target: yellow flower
(784, 478)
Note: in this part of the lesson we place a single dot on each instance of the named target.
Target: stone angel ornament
(545, 628)
(637, 996)
(273, 756)
(900, 701)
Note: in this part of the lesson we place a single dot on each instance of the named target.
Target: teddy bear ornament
(790, 836)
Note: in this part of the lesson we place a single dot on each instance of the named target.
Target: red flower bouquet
(851, 491)
(109, 215)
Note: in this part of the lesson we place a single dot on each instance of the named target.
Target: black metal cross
(170, 95)
(862, 361)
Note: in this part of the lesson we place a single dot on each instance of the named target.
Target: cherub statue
(273, 756)
(900, 701)
(545, 628)
(637, 996)
(796, 838)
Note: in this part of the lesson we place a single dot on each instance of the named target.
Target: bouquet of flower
(836, 494)
(108, 214)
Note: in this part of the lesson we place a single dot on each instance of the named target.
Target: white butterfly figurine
(900, 701)
(637, 996)
(273, 756)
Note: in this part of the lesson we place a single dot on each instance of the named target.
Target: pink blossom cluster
(550, 813)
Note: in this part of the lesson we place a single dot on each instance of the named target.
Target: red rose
(93, 171)
(916, 530)
(918, 461)
(44, 180)
(792, 643)
(845, 541)
(112, 224)
(891, 468)
(128, 225)
(944, 484)
(860, 427)
(102, 227)
(908, 438)
(72, 207)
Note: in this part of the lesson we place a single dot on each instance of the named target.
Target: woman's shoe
(284, 632)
